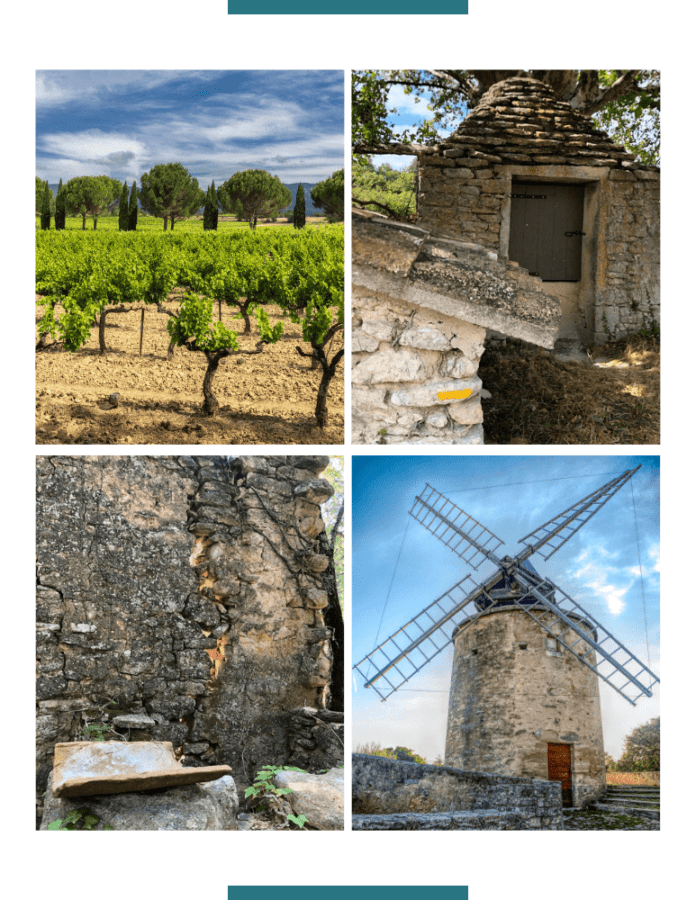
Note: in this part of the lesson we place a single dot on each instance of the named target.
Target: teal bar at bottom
(345, 892)
(355, 8)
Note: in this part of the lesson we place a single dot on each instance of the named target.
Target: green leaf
(55, 826)
(300, 821)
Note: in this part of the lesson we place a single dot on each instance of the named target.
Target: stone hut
(184, 599)
(532, 224)
(534, 181)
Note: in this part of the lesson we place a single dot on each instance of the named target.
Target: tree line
(169, 191)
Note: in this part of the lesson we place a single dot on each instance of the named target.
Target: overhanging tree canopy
(259, 193)
(168, 191)
(625, 102)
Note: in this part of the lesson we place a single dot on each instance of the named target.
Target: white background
(199, 866)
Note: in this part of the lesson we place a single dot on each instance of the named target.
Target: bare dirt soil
(268, 398)
(612, 396)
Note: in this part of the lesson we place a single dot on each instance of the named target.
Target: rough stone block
(85, 768)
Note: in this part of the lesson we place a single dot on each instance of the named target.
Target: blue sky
(216, 123)
(511, 496)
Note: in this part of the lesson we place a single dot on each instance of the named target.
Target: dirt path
(538, 398)
(264, 399)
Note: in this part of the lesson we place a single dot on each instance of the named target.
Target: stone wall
(391, 794)
(421, 309)
(185, 592)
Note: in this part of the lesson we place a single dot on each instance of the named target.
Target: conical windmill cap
(520, 121)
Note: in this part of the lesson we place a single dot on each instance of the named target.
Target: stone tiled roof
(520, 121)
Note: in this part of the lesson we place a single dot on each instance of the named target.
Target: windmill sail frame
(474, 543)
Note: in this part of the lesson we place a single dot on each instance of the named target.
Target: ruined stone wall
(392, 794)
(511, 695)
(185, 592)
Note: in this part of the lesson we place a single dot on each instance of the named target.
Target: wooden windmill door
(546, 229)
(559, 770)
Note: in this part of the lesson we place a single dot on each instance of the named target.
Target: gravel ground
(594, 820)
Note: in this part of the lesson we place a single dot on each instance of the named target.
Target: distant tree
(642, 749)
(404, 754)
(123, 208)
(133, 209)
(609, 762)
(257, 192)
(328, 195)
(46, 208)
(60, 207)
(298, 214)
(168, 191)
(384, 188)
(210, 212)
(90, 196)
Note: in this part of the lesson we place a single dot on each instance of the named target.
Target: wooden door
(559, 770)
(546, 229)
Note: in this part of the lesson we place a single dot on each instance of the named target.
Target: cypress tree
(208, 211)
(60, 207)
(133, 209)
(214, 207)
(46, 208)
(123, 208)
(298, 214)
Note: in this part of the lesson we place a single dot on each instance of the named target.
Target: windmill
(524, 698)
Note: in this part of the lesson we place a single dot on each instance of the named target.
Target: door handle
(572, 233)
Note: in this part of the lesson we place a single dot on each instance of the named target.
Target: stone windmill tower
(524, 697)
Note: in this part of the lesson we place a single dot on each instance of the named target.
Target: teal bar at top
(343, 892)
(353, 8)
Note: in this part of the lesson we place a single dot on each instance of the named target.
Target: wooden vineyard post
(142, 326)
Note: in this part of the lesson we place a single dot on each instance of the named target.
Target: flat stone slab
(86, 768)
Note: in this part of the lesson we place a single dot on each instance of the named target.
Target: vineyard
(235, 336)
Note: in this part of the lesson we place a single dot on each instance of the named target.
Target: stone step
(627, 810)
(632, 801)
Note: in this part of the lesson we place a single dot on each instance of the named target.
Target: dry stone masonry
(181, 599)
(520, 133)
(426, 298)
(393, 795)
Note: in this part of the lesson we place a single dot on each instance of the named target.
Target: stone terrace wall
(421, 307)
(185, 591)
(385, 787)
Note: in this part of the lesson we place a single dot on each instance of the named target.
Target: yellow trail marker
(454, 395)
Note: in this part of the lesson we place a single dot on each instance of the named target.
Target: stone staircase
(631, 799)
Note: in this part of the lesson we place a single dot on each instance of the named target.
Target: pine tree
(60, 207)
(123, 208)
(46, 208)
(298, 214)
(133, 209)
